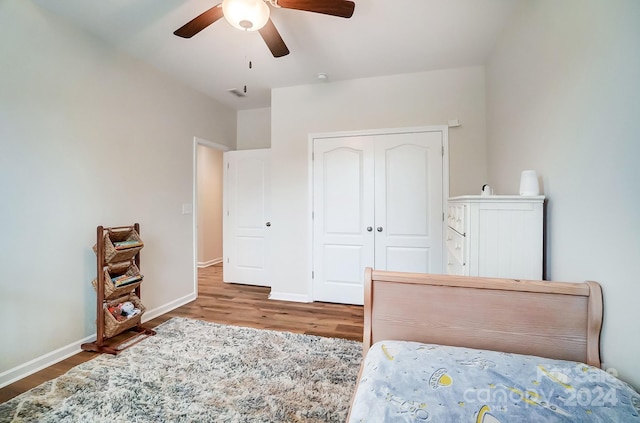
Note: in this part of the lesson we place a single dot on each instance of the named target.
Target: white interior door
(378, 202)
(246, 216)
(343, 218)
(408, 202)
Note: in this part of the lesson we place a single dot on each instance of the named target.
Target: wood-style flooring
(232, 304)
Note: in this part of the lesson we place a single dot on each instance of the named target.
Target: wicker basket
(112, 327)
(111, 271)
(115, 255)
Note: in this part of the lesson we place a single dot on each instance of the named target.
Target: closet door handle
(369, 228)
(379, 229)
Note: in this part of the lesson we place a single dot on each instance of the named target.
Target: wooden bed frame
(556, 320)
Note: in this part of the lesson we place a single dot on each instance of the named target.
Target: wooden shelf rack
(132, 332)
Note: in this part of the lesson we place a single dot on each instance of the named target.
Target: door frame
(372, 132)
(194, 182)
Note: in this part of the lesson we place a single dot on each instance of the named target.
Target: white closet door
(245, 217)
(408, 202)
(343, 218)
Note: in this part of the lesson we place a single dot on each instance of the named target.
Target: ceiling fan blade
(200, 22)
(341, 8)
(274, 41)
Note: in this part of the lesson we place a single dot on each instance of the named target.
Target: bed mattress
(405, 381)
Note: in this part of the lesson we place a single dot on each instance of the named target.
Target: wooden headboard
(557, 320)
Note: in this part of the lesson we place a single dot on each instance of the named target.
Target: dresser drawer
(456, 245)
(456, 218)
(454, 267)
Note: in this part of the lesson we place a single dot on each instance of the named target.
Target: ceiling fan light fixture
(246, 15)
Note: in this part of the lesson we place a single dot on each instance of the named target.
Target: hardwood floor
(232, 304)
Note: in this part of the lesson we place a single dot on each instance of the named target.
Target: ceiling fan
(253, 15)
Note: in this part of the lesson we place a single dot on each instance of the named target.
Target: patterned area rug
(195, 371)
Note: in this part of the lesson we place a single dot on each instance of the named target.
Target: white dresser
(495, 236)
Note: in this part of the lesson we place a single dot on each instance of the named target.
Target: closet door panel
(343, 209)
(408, 197)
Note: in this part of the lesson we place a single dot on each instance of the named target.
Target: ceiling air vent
(237, 92)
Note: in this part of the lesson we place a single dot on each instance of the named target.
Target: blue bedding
(413, 382)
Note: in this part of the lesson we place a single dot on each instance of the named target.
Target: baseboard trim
(26, 369)
(209, 262)
(287, 296)
(30, 367)
(159, 311)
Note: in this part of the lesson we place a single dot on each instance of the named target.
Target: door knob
(268, 223)
(369, 228)
(379, 229)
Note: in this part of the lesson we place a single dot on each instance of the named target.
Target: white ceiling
(382, 38)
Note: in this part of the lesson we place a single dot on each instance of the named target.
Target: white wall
(563, 97)
(254, 128)
(429, 98)
(88, 137)
(209, 181)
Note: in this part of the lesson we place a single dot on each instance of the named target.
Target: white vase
(529, 183)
